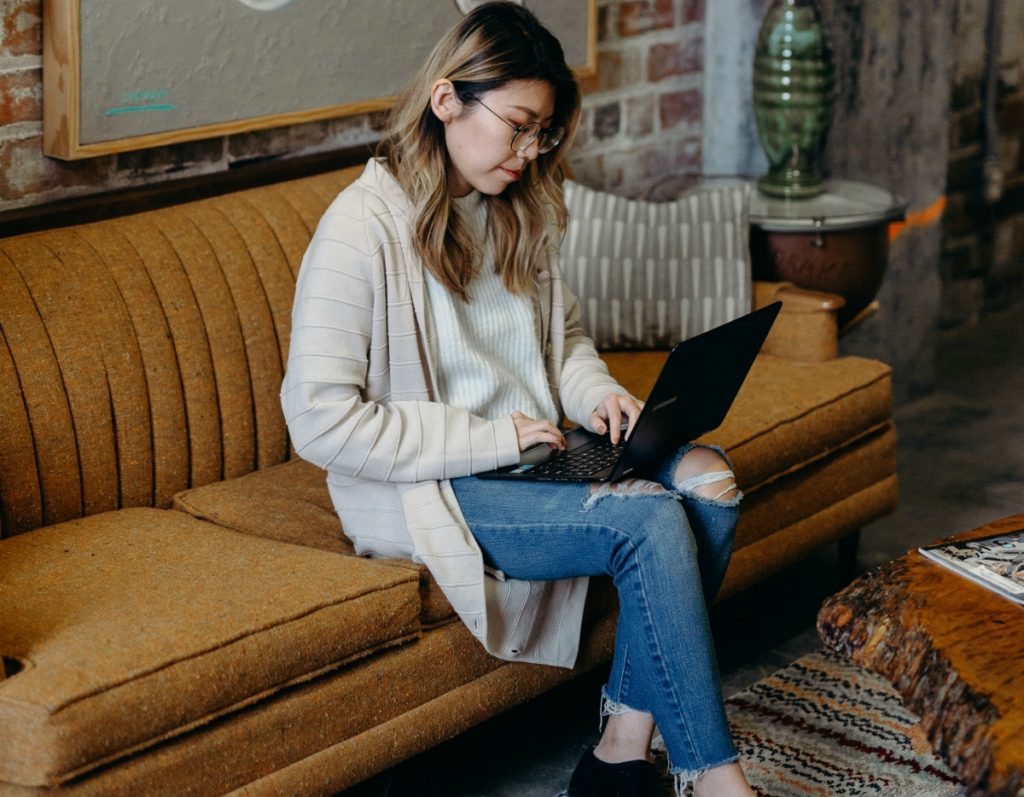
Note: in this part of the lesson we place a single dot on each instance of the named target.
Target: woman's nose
(531, 152)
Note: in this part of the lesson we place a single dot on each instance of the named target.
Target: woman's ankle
(626, 737)
(727, 780)
(612, 753)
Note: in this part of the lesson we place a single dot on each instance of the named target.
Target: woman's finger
(531, 432)
(551, 437)
(633, 408)
(612, 412)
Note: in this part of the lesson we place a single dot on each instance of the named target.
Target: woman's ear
(444, 102)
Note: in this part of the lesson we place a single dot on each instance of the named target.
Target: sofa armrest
(806, 329)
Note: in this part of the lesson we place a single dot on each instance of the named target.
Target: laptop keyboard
(590, 460)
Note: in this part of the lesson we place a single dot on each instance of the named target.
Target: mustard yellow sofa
(180, 611)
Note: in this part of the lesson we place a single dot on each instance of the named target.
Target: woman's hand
(612, 411)
(531, 432)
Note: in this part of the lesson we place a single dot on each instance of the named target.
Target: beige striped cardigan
(357, 397)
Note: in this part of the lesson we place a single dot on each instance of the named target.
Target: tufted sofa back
(143, 355)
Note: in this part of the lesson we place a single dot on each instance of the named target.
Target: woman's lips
(511, 173)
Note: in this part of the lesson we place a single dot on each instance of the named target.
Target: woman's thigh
(549, 530)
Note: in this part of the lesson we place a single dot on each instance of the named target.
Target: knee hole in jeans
(705, 473)
(627, 488)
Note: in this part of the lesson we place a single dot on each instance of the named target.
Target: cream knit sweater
(487, 351)
(359, 397)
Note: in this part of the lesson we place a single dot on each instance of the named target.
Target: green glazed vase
(793, 85)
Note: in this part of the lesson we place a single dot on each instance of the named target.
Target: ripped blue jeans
(666, 550)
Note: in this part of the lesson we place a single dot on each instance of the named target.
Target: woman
(433, 339)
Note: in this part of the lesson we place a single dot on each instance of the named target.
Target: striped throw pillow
(649, 274)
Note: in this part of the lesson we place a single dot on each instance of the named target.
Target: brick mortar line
(628, 144)
(22, 63)
(688, 32)
(656, 136)
(18, 131)
(668, 85)
(659, 128)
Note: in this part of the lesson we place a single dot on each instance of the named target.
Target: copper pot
(838, 242)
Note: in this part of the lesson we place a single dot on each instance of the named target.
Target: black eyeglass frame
(547, 138)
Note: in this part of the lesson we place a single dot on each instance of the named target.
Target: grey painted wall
(894, 62)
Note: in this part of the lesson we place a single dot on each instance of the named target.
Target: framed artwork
(122, 75)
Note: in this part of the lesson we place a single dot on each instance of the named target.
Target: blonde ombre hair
(494, 44)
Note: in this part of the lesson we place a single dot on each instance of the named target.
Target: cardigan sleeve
(337, 417)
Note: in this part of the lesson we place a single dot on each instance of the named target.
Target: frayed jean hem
(682, 778)
(612, 708)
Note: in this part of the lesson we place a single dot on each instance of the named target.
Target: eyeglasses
(547, 138)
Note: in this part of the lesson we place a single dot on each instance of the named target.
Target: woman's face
(479, 142)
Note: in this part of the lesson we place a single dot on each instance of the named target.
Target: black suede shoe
(594, 778)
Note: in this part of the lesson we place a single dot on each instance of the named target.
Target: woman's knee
(704, 472)
(645, 516)
(658, 523)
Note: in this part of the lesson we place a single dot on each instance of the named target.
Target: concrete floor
(961, 464)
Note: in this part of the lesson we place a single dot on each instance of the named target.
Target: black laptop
(693, 393)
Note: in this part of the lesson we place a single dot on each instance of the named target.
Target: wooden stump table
(955, 652)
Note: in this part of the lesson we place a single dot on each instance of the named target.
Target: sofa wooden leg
(848, 547)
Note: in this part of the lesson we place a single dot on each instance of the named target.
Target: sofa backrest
(143, 355)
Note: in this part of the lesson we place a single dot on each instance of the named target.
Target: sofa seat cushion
(134, 626)
(325, 735)
(291, 503)
(787, 414)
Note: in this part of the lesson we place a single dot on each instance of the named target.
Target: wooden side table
(955, 652)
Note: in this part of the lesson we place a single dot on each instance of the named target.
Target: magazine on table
(996, 561)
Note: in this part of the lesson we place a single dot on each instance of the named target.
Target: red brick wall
(642, 120)
(642, 115)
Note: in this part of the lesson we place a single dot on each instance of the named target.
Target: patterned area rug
(823, 727)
